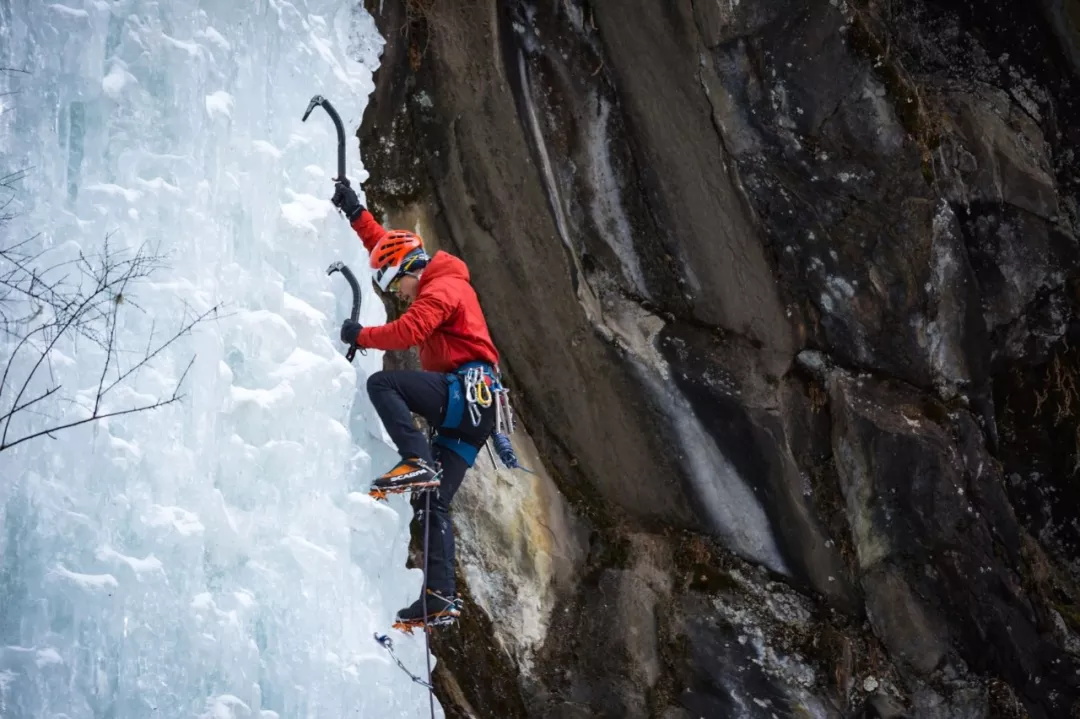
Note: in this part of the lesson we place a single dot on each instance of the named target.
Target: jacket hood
(444, 266)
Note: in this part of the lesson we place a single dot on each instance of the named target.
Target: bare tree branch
(179, 333)
(42, 303)
(7, 370)
(47, 297)
(49, 432)
(30, 376)
(44, 395)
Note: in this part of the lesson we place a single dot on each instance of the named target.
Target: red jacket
(445, 319)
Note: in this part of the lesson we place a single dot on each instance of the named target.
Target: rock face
(787, 296)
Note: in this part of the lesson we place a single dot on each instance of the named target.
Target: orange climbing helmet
(395, 254)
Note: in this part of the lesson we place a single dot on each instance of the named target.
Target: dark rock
(914, 634)
(663, 205)
(882, 706)
(940, 559)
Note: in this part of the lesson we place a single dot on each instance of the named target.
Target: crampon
(408, 627)
(383, 494)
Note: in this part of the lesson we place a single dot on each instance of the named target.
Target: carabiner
(483, 394)
(470, 385)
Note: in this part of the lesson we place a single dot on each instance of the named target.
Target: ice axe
(340, 266)
(320, 100)
(355, 315)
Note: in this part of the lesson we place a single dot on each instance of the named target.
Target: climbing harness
(468, 392)
(475, 387)
(423, 599)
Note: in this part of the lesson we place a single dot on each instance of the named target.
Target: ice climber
(452, 391)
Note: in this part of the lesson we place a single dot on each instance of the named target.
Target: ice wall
(211, 558)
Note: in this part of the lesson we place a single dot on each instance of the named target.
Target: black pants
(396, 395)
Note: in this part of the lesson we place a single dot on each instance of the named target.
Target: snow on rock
(736, 513)
(606, 205)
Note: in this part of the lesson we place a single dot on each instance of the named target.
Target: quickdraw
(504, 426)
(504, 415)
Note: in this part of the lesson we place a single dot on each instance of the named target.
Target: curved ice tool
(322, 101)
(355, 314)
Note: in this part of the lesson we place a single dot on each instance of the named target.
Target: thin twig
(180, 333)
(35, 400)
(33, 371)
(106, 415)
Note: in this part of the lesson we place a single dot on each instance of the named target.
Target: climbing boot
(441, 610)
(408, 475)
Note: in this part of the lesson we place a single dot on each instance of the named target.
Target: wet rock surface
(787, 295)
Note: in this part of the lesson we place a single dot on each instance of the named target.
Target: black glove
(346, 200)
(350, 331)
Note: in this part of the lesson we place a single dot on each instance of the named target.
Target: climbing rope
(388, 644)
(423, 602)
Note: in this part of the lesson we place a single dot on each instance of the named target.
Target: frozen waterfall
(211, 558)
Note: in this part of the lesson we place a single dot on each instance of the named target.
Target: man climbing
(452, 391)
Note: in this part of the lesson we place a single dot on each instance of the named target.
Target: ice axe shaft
(322, 101)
